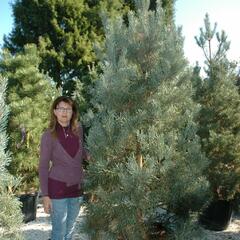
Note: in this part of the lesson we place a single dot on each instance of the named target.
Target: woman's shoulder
(47, 134)
(47, 131)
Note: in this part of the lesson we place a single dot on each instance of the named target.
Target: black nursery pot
(29, 206)
(217, 216)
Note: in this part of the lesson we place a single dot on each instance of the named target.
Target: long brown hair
(74, 120)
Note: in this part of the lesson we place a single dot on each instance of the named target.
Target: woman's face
(63, 113)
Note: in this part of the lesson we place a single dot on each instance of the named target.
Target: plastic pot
(217, 216)
(29, 206)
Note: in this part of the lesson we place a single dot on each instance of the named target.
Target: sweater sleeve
(44, 162)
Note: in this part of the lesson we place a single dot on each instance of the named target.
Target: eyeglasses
(62, 109)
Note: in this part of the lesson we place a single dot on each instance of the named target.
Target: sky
(189, 14)
(6, 20)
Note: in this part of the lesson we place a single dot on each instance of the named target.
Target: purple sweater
(63, 167)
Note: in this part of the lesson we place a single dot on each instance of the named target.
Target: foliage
(65, 33)
(143, 142)
(168, 6)
(60, 30)
(10, 214)
(220, 112)
(189, 230)
(29, 94)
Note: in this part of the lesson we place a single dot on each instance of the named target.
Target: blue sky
(189, 14)
(6, 20)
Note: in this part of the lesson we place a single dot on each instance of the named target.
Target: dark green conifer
(29, 96)
(220, 113)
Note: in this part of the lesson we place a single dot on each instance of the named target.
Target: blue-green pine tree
(219, 125)
(29, 96)
(10, 213)
(143, 142)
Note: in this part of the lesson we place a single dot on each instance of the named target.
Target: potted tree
(143, 142)
(219, 125)
(10, 214)
(28, 95)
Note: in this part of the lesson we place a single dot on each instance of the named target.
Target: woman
(60, 167)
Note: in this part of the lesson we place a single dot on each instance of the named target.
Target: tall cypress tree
(220, 112)
(145, 150)
(10, 214)
(29, 94)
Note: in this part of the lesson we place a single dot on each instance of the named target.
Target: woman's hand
(47, 204)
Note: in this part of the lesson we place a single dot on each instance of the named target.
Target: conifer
(219, 116)
(29, 96)
(10, 213)
(145, 151)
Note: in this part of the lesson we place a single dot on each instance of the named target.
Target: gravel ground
(231, 233)
(40, 228)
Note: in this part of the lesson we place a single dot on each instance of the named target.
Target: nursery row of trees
(161, 136)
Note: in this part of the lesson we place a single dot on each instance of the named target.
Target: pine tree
(29, 94)
(168, 6)
(220, 112)
(143, 142)
(10, 213)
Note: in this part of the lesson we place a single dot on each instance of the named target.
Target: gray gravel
(231, 233)
(40, 228)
